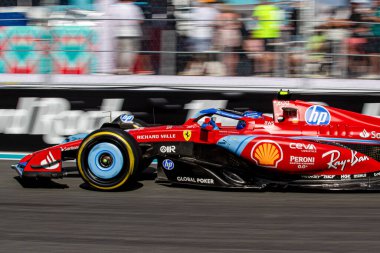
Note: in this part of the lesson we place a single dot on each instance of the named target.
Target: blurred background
(318, 39)
(67, 66)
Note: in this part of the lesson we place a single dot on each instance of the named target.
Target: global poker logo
(168, 164)
(317, 115)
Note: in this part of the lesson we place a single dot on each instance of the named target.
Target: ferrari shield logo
(187, 135)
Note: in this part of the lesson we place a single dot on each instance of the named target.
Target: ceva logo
(317, 115)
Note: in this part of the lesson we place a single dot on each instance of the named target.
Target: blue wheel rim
(96, 167)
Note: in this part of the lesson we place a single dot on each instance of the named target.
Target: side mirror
(280, 118)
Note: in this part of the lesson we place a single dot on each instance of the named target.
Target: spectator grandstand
(239, 38)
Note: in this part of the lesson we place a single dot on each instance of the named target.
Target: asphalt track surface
(66, 217)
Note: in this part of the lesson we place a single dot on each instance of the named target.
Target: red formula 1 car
(303, 145)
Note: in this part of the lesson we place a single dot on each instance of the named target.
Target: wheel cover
(83, 164)
(105, 160)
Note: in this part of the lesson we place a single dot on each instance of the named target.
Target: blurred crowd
(267, 39)
(277, 40)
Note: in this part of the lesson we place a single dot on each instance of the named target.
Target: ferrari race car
(303, 145)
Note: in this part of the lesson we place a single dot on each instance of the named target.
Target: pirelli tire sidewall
(129, 151)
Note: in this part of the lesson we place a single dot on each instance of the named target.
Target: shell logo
(267, 153)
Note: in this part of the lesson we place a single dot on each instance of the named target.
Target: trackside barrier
(35, 118)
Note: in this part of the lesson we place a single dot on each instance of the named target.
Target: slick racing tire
(108, 159)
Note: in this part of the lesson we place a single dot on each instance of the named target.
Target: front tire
(108, 159)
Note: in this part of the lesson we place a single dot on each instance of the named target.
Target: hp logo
(126, 118)
(168, 164)
(317, 115)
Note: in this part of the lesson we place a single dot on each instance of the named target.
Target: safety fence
(174, 47)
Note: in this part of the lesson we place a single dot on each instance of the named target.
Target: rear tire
(108, 159)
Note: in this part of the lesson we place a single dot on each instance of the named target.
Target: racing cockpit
(216, 119)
